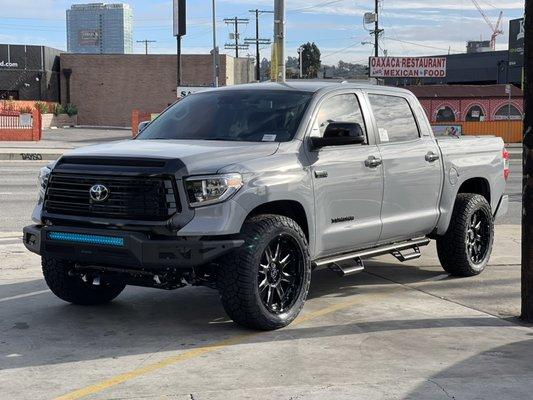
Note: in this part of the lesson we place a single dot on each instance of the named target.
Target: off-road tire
(72, 289)
(238, 273)
(452, 247)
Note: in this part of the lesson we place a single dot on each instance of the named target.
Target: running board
(348, 267)
(394, 249)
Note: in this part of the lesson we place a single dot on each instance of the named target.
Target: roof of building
(462, 91)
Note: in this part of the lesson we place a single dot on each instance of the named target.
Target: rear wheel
(466, 247)
(264, 284)
(72, 288)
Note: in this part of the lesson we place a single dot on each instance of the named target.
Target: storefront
(29, 73)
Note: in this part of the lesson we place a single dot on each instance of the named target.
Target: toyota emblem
(99, 193)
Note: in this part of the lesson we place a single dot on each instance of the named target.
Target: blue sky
(412, 27)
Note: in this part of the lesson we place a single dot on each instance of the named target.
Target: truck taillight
(506, 169)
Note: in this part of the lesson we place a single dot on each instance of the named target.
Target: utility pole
(278, 50)
(377, 31)
(146, 41)
(258, 41)
(236, 46)
(215, 46)
(527, 183)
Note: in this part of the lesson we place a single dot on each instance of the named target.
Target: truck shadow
(42, 330)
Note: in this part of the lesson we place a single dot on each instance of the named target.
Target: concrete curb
(31, 155)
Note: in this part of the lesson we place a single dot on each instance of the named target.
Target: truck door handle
(432, 157)
(321, 174)
(373, 162)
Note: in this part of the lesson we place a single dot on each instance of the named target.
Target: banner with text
(407, 67)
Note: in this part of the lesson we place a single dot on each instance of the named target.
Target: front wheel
(264, 284)
(71, 288)
(466, 247)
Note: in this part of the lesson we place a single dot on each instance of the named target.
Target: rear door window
(394, 117)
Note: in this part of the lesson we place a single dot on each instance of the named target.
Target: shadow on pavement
(500, 373)
(43, 330)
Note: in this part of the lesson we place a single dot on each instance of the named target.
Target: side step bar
(394, 249)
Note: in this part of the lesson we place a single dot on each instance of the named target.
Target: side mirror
(340, 134)
(143, 125)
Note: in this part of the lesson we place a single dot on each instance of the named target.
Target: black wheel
(72, 288)
(466, 247)
(264, 284)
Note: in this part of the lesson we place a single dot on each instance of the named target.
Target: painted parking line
(21, 296)
(200, 351)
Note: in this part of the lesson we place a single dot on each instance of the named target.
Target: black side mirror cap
(340, 134)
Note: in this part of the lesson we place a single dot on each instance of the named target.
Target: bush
(58, 109)
(71, 110)
(8, 105)
(25, 110)
(42, 107)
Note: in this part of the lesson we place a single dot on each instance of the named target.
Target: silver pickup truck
(247, 189)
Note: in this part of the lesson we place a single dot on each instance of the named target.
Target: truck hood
(199, 156)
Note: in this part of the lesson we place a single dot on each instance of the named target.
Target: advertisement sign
(447, 130)
(407, 67)
(516, 42)
(89, 37)
(179, 18)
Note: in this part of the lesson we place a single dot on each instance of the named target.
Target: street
(394, 331)
(18, 193)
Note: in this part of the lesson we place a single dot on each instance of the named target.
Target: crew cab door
(347, 192)
(412, 167)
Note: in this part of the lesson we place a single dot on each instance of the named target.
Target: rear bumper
(135, 250)
(503, 207)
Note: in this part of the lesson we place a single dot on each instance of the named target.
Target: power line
(258, 41)
(236, 21)
(146, 41)
(422, 45)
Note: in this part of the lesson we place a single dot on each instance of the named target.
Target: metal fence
(15, 120)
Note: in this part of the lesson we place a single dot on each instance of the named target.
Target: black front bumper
(134, 250)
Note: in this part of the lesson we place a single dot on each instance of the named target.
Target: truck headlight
(211, 189)
(42, 182)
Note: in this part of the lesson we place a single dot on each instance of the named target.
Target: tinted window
(394, 117)
(239, 115)
(340, 108)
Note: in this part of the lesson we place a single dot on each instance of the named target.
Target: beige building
(106, 88)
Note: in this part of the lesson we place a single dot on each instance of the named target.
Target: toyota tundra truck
(247, 189)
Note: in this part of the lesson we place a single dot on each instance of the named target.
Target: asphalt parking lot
(395, 331)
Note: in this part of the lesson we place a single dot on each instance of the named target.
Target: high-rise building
(100, 28)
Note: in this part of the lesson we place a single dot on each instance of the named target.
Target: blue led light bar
(88, 239)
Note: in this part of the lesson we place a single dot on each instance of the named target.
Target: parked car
(248, 188)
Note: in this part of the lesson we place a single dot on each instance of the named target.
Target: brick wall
(106, 88)
(460, 107)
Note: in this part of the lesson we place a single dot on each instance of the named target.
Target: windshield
(237, 115)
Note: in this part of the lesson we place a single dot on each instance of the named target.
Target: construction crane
(496, 31)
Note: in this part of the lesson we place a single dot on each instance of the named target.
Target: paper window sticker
(383, 135)
(269, 138)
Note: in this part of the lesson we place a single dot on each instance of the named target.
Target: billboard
(516, 42)
(407, 67)
(89, 37)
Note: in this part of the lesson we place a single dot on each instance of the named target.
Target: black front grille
(139, 198)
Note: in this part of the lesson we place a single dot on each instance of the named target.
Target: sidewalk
(57, 141)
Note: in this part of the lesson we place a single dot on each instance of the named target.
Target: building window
(508, 111)
(445, 114)
(475, 113)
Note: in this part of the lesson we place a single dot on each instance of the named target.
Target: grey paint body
(404, 198)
